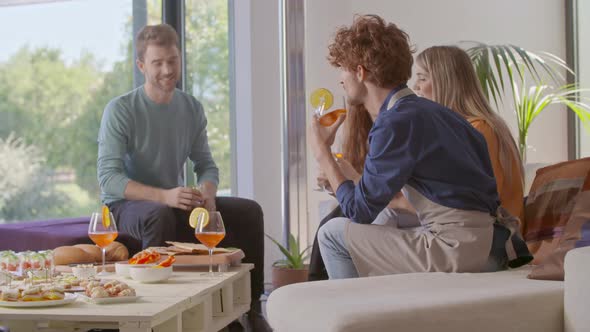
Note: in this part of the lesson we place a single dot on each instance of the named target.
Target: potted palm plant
(535, 79)
(291, 269)
(530, 103)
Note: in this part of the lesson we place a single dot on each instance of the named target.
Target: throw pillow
(576, 234)
(549, 205)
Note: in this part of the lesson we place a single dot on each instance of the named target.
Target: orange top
(511, 192)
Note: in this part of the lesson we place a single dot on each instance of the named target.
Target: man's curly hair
(381, 48)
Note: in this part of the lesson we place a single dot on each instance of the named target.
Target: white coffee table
(185, 302)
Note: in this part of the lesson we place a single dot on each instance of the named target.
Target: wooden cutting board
(197, 254)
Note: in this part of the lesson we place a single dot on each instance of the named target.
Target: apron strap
(399, 95)
(504, 218)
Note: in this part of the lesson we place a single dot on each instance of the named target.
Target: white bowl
(122, 268)
(148, 274)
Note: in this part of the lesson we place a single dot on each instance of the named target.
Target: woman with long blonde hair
(446, 75)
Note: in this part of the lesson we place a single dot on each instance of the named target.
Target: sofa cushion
(549, 205)
(482, 302)
(49, 234)
(576, 234)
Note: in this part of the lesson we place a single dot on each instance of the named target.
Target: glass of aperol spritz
(209, 230)
(322, 102)
(102, 230)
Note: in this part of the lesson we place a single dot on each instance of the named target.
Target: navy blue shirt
(429, 147)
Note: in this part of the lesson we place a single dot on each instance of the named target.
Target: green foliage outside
(207, 75)
(28, 184)
(50, 113)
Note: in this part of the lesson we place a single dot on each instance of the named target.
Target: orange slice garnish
(196, 214)
(321, 97)
(106, 216)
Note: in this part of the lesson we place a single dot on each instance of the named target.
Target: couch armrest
(577, 290)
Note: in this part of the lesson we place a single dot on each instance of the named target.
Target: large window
(60, 64)
(208, 76)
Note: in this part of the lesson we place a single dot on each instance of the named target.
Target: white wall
(321, 20)
(536, 25)
(266, 120)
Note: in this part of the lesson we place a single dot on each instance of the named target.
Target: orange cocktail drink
(103, 239)
(210, 239)
(102, 230)
(328, 119)
(209, 230)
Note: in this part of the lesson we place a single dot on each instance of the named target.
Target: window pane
(60, 63)
(583, 74)
(154, 9)
(207, 76)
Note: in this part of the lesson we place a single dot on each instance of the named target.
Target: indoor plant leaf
(294, 258)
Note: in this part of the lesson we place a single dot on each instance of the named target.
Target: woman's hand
(348, 171)
(400, 202)
(322, 181)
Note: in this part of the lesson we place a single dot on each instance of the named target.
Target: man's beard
(167, 85)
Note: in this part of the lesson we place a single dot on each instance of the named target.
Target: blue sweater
(429, 147)
(149, 143)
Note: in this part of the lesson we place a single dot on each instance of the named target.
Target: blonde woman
(445, 75)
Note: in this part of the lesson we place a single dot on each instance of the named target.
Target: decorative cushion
(49, 234)
(549, 205)
(575, 235)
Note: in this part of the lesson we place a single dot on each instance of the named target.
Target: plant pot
(282, 276)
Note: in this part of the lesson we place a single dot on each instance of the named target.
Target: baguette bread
(117, 252)
(89, 253)
(71, 255)
(92, 250)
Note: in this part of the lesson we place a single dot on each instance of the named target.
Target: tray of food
(179, 255)
(106, 292)
(35, 296)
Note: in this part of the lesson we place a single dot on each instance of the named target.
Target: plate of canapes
(35, 296)
(113, 291)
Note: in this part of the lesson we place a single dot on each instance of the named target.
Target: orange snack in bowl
(167, 262)
(145, 257)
